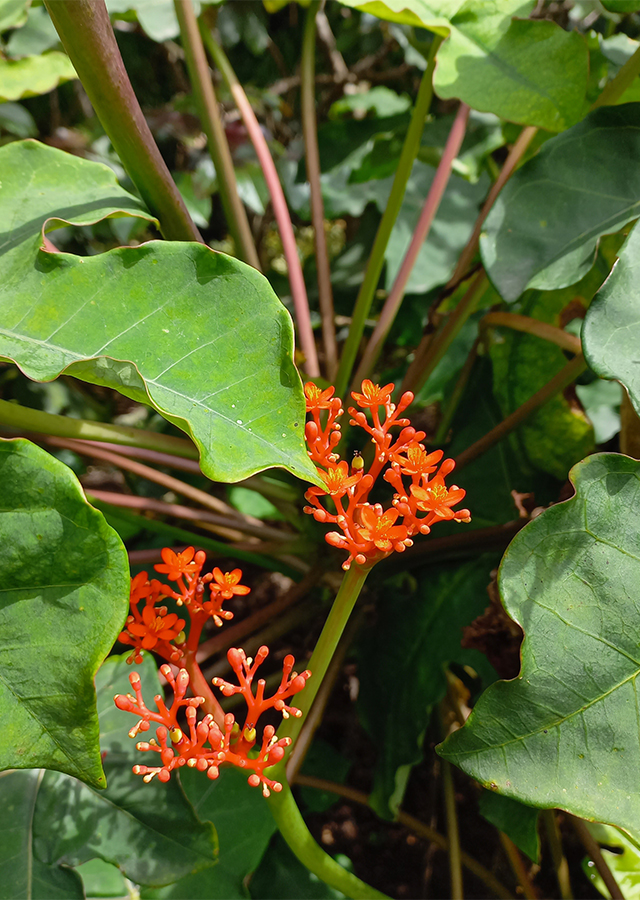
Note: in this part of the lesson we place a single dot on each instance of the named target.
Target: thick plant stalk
(278, 201)
(293, 829)
(455, 862)
(87, 36)
(312, 156)
(25, 419)
(593, 849)
(428, 214)
(566, 376)
(204, 93)
(322, 655)
(376, 257)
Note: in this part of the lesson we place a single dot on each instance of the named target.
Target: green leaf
(532, 72)
(24, 877)
(527, 71)
(621, 6)
(157, 17)
(244, 825)
(13, 13)
(623, 860)
(517, 821)
(564, 733)
(17, 120)
(34, 75)
(36, 36)
(557, 435)
(65, 578)
(402, 666)
(149, 831)
(199, 336)
(611, 332)
(544, 227)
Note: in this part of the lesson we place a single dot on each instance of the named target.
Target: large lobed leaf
(532, 72)
(565, 732)
(196, 334)
(611, 332)
(65, 593)
(544, 227)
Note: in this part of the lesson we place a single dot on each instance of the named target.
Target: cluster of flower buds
(204, 745)
(154, 628)
(368, 532)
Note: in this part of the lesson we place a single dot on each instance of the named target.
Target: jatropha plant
(429, 173)
(368, 532)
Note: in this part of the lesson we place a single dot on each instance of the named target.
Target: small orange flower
(177, 564)
(337, 480)
(154, 627)
(227, 584)
(437, 498)
(372, 394)
(317, 398)
(379, 529)
(416, 461)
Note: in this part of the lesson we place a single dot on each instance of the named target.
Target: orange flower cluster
(155, 628)
(206, 746)
(367, 531)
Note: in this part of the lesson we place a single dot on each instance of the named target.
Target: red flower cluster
(155, 628)
(206, 746)
(367, 531)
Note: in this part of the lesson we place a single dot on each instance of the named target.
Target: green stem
(312, 156)
(205, 97)
(25, 419)
(618, 85)
(295, 832)
(326, 646)
(278, 201)
(376, 258)
(453, 402)
(455, 863)
(87, 36)
(528, 325)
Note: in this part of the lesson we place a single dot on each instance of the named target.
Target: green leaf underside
(244, 825)
(557, 435)
(565, 732)
(531, 72)
(611, 332)
(34, 75)
(544, 227)
(65, 578)
(196, 334)
(412, 649)
(24, 876)
(149, 831)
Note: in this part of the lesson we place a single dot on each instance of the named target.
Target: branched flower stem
(295, 832)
